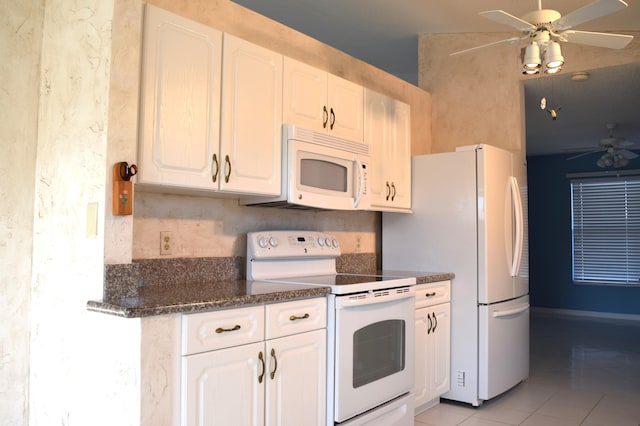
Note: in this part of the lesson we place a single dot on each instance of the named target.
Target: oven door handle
(374, 297)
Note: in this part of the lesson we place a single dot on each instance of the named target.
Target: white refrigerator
(469, 217)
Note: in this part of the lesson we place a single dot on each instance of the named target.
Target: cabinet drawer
(222, 329)
(433, 293)
(295, 317)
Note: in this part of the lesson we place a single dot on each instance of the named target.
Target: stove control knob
(273, 242)
(335, 243)
(327, 241)
(262, 242)
(321, 241)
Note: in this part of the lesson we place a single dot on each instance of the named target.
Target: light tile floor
(583, 371)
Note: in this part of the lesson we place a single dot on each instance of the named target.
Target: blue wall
(550, 282)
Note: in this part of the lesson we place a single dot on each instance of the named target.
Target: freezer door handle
(519, 231)
(510, 312)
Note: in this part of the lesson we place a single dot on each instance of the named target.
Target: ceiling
(385, 33)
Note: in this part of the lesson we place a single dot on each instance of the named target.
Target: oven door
(374, 349)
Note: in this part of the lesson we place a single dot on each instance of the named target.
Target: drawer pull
(261, 358)
(433, 293)
(294, 318)
(224, 330)
(275, 360)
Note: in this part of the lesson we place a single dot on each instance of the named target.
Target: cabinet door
(222, 387)
(377, 133)
(305, 96)
(251, 136)
(296, 379)
(399, 153)
(346, 108)
(180, 108)
(421, 388)
(440, 352)
(388, 133)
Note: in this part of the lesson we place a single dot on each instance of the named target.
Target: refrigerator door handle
(510, 312)
(519, 237)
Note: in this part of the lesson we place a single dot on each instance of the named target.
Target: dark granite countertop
(206, 296)
(157, 287)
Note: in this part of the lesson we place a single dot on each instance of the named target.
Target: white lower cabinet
(263, 365)
(432, 345)
(220, 387)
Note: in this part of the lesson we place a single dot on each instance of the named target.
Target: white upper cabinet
(180, 104)
(388, 133)
(209, 120)
(251, 135)
(321, 101)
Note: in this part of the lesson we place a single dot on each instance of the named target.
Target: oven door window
(378, 351)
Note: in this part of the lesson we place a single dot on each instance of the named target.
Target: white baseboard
(586, 314)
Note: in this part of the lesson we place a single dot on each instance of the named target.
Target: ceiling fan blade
(503, 17)
(587, 13)
(611, 41)
(507, 40)
(583, 154)
(629, 155)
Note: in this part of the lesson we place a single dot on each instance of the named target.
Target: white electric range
(370, 327)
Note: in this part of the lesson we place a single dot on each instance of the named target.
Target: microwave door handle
(356, 202)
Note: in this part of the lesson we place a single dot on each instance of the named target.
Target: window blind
(606, 231)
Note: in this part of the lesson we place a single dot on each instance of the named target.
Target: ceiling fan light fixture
(553, 55)
(552, 70)
(532, 60)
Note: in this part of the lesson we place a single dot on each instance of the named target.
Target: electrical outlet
(166, 242)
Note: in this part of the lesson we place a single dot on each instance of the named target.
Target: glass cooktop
(349, 283)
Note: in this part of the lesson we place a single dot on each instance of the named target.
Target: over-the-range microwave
(320, 171)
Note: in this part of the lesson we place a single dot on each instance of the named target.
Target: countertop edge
(114, 309)
(130, 310)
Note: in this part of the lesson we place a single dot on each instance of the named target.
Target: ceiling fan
(544, 27)
(616, 150)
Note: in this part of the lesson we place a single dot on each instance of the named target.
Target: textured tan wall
(478, 97)
(21, 47)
